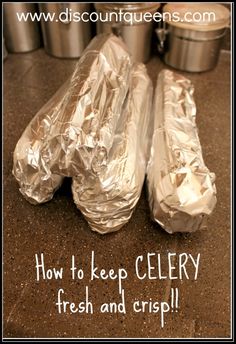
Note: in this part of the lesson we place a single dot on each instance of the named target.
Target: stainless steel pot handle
(162, 33)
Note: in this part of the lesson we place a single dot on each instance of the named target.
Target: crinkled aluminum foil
(107, 200)
(75, 129)
(181, 189)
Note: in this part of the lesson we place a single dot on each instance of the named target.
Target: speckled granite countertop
(58, 229)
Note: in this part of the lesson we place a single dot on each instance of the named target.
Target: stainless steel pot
(20, 36)
(137, 36)
(193, 47)
(67, 38)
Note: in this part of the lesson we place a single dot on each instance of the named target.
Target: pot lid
(197, 16)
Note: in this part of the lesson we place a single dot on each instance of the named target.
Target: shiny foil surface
(181, 189)
(75, 130)
(107, 199)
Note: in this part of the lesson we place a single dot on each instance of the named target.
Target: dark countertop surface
(58, 230)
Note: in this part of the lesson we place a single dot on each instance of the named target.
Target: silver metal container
(65, 37)
(137, 35)
(193, 51)
(193, 47)
(20, 36)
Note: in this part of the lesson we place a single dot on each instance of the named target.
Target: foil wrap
(75, 129)
(107, 199)
(181, 189)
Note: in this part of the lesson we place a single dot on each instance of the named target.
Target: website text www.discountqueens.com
(118, 16)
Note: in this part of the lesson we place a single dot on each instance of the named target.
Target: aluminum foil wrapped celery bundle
(75, 129)
(181, 189)
(107, 199)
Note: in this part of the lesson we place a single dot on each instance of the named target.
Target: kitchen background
(36, 63)
(59, 38)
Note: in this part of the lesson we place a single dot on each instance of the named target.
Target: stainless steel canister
(24, 35)
(193, 51)
(193, 46)
(137, 35)
(67, 35)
